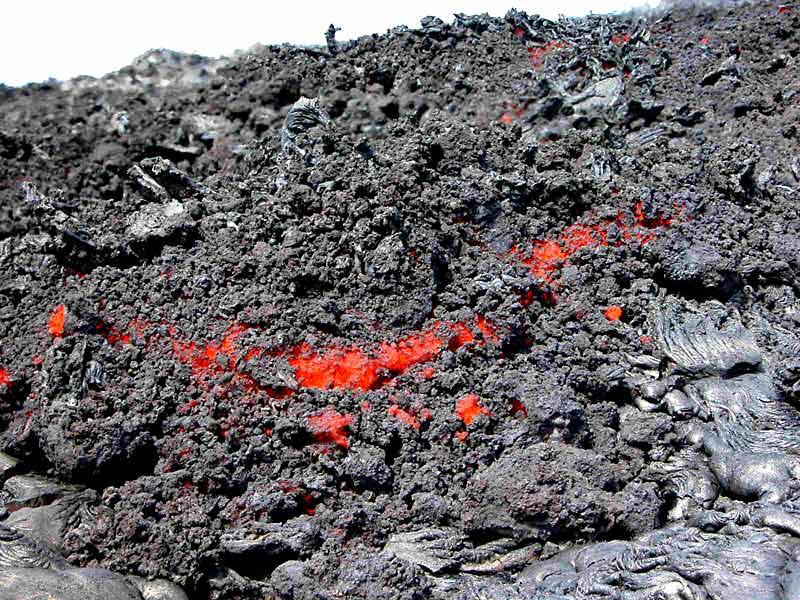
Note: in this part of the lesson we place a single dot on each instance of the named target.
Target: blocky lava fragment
(468, 409)
(329, 427)
(525, 495)
(57, 320)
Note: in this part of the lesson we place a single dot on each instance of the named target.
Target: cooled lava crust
(274, 355)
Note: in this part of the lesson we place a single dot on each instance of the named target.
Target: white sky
(66, 38)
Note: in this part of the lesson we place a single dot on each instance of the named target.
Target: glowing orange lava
(56, 324)
(613, 313)
(112, 334)
(329, 427)
(212, 360)
(487, 328)
(468, 409)
(5, 378)
(351, 367)
(537, 53)
(550, 255)
(404, 416)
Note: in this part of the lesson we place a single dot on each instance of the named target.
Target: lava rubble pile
(503, 308)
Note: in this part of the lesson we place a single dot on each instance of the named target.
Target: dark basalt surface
(502, 308)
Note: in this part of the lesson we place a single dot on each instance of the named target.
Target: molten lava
(213, 360)
(548, 256)
(112, 334)
(613, 313)
(468, 409)
(329, 427)
(487, 328)
(353, 368)
(537, 53)
(404, 416)
(57, 320)
(5, 378)
(427, 373)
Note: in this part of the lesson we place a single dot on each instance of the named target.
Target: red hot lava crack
(334, 366)
(546, 257)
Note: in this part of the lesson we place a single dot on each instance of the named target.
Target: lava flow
(406, 417)
(329, 427)
(212, 360)
(549, 255)
(57, 320)
(353, 368)
(334, 367)
(536, 54)
(5, 378)
(468, 409)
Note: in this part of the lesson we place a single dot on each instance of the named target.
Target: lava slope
(499, 308)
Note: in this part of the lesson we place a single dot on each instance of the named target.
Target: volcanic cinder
(503, 308)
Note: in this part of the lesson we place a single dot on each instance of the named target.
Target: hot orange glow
(468, 409)
(329, 427)
(5, 378)
(220, 366)
(404, 416)
(57, 320)
(537, 53)
(213, 360)
(548, 256)
(613, 313)
(112, 334)
(487, 328)
(351, 367)
(620, 39)
(203, 358)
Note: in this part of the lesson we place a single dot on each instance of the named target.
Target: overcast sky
(66, 38)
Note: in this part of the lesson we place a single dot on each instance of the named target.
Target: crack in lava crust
(546, 257)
